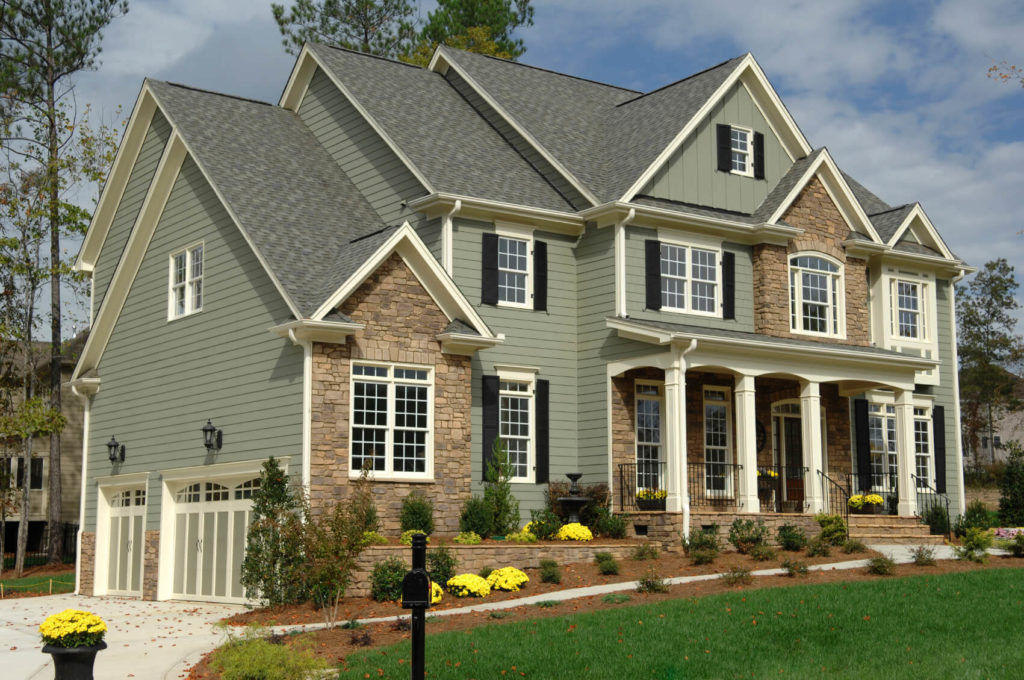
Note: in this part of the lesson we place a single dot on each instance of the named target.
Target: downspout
(81, 496)
(447, 258)
(956, 388)
(621, 310)
(307, 407)
(680, 359)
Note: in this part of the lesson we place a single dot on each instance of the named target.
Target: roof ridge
(893, 209)
(544, 70)
(367, 54)
(681, 80)
(213, 92)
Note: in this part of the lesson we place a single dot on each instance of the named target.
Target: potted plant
(866, 504)
(651, 499)
(72, 638)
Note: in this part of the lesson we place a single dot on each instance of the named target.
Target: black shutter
(860, 428)
(939, 433)
(724, 148)
(543, 431)
(728, 285)
(540, 276)
(758, 155)
(652, 273)
(490, 424)
(489, 270)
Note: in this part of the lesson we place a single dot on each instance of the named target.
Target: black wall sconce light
(212, 437)
(115, 450)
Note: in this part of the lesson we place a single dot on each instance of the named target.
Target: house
(669, 291)
(992, 446)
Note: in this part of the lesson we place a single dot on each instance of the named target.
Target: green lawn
(964, 625)
(62, 583)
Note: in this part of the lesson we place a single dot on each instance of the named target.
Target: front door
(793, 459)
(127, 544)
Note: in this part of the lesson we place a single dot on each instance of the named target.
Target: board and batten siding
(635, 286)
(161, 380)
(128, 209)
(690, 175)
(379, 174)
(545, 340)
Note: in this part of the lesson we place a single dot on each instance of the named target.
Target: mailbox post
(416, 596)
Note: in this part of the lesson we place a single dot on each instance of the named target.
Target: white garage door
(127, 545)
(210, 523)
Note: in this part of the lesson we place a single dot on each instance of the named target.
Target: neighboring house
(1008, 426)
(396, 265)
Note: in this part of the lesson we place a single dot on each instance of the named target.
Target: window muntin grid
(515, 401)
(716, 440)
(648, 436)
(689, 289)
(922, 447)
(908, 309)
(882, 444)
(739, 145)
(391, 419)
(186, 285)
(513, 269)
(814, 290)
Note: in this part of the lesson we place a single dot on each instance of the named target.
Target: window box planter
(650, 503)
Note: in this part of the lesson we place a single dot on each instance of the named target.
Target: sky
(897, 91)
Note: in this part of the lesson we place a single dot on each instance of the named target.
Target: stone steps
(891, 529)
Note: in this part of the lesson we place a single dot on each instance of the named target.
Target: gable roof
(888, 222)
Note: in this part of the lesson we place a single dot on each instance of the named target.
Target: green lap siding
(161, 380)
(945, 395)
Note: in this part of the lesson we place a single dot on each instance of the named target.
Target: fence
(38, 554)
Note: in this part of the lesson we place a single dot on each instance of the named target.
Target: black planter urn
(73, 663)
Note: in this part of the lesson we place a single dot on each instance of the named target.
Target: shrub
(762, 552)
(476, 517)
(598, 499)
(468, 538)
(508, 579)
(406, 537)
(600, 557)
(651, 582)
(791, 537)
(979, 517)
(645, 551)
(737, 576)
(606, 563)
(833, 528)
(417, 513)
(548, 604)
(386, 580)
(1017, 546)
(705, 539)
(881, 565)
(854, 546)
(485, 572)
(574, 532)
(360, 639)
(615, 598)
(544, 523)
(468, 585)
(700, 556)
(503, 506)
(746, 534)
(374, 538)
(252, 656)
(441, 564)
(974, 545)
(923, 556)
(937, 520)
(794, 567)
(1011, 488)
(818, 547)
(521, 536)
(549, 572)
(609, 525)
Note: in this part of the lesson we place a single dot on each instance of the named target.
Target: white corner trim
(917, 213)
(83, 488)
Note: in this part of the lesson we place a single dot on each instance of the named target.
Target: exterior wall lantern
(212, 437)
(115, 450)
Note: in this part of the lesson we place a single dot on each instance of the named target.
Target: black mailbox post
(416, 596)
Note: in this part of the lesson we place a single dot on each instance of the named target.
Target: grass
(882, 628)
(62, 583)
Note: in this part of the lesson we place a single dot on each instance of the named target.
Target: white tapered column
(746, 444)
(810, 421)
(907, 505)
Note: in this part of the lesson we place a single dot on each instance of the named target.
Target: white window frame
(748, 154)
(726, 402)
(921, 402)
(528, 377)
(923, 416)
(926, 309)
(659, 397)
(837, 290)
(389, 473)
(689, 245)
(190, 283)
(517, 233)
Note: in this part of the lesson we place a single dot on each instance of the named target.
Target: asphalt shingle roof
(785, 185)
(872, 204)
(300, 211)
(888, 222)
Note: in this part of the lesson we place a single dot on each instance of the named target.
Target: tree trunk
(54, 501)
(991, 438)
(19, 558)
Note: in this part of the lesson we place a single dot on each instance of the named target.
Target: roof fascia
(771, 107)
(292, 98)
(298, 81)
(307, 330)
(931, 262)
(427, 270)
(917, 212)
(440, 63)
(117, 180)
(463, 343)
(549, 220)
(838, 190)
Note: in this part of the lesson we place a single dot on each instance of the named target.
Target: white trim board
(918, 215)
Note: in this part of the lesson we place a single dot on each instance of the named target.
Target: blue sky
(897, 91)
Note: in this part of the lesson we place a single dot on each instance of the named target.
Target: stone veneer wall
(624, 421)
(402, 322)
(772, 521)
(87, 560)
(151, 565)
(825, 231)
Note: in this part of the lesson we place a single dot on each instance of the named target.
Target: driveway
(144, 639)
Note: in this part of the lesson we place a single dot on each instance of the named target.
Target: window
(882, 438)
(907, 302)
(717, 476)
(513, 270)
(391, 420)
(689, 289)
(922, 447)
(648, 435)
(515, 418)
(739, 144)
(35, 477)
(186, 292)
(815, 295)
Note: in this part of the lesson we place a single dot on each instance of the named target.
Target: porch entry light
(115, 450)
(212, 437)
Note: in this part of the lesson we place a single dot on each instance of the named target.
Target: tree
(501, 18)
(1006, 72)
(43, 44)
(1011, 489)
(988, 348)
(381, 27)
(476, 39)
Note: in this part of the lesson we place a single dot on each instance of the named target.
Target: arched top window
(245, 489)
(190, 494)
(816, 295)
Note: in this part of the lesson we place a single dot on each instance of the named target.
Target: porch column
(810, 421)
(746, 444)
(907, 505)
(675, 438)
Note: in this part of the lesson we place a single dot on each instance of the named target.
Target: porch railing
(835, 496)
(712, 484)
(932, 507)
(781, 488)
(648, 476)
(881, 485)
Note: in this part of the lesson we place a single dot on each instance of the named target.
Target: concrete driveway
(144, 639)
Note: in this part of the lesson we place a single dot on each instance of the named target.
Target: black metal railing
(712, 484)
(781, 488)
(37, 552)
(880, 485)
(932, 507)
(639, 484)
(835, 497)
